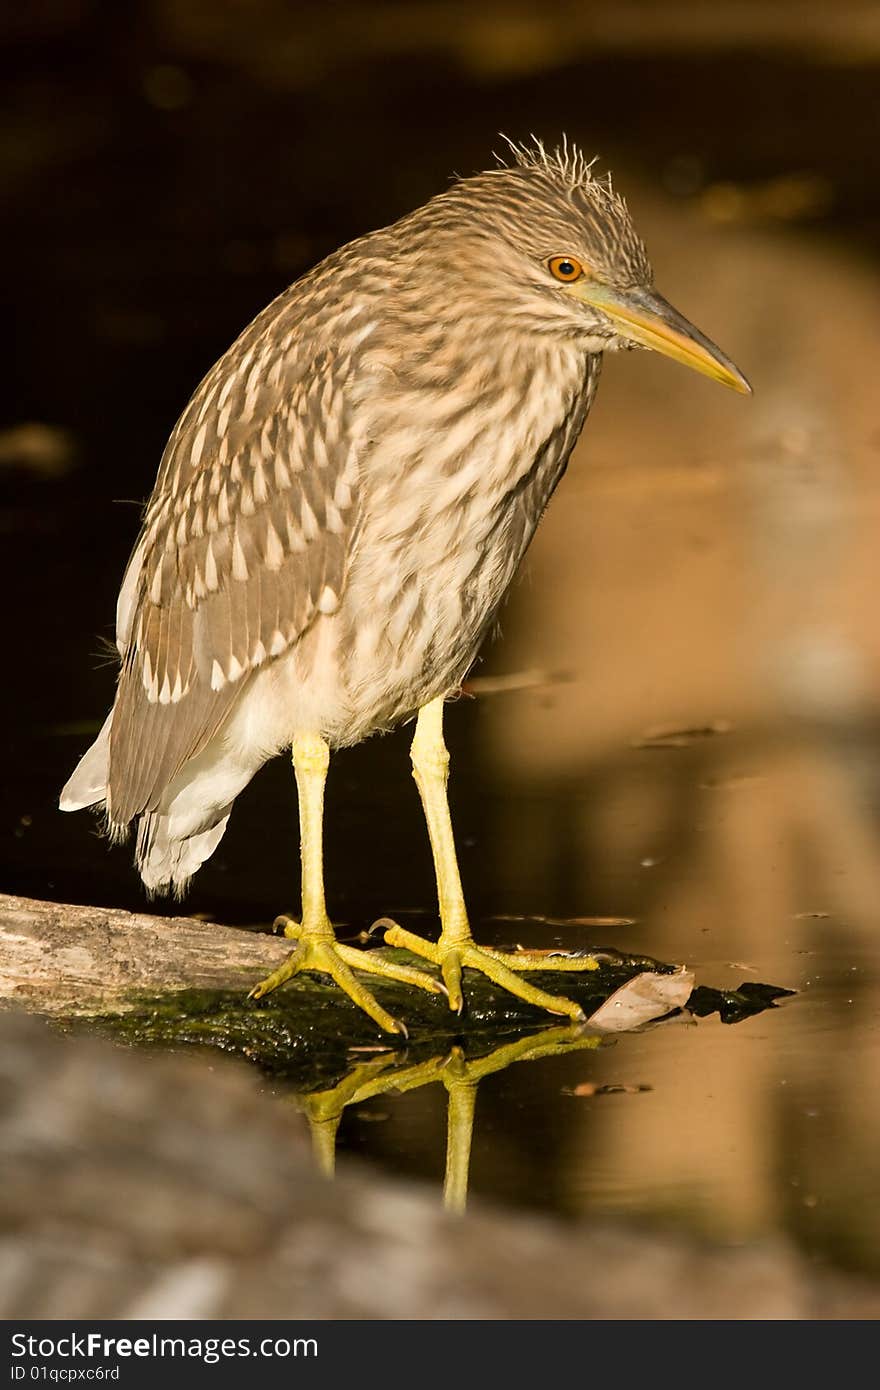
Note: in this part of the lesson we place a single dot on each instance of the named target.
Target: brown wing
(245, 540)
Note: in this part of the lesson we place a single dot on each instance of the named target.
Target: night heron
(339, 513)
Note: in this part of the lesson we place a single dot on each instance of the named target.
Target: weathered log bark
(57, 958)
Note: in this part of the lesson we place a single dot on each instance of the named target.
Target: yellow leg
(324, 1144)
(317, 948)
(456, 948)
(460, 1107)
(460, 1078)
(323, 1109)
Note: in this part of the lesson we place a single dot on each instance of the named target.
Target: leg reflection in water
(459, 1075)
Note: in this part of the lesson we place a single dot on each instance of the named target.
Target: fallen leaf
(646, 996)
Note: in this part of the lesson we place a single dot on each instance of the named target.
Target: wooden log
(59, 958)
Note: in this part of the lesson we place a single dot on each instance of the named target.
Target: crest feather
(566, 163)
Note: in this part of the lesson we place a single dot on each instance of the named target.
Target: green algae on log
(310, 1035)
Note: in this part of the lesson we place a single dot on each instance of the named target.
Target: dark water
(710, 564)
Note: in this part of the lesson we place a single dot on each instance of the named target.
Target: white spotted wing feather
(245, 541)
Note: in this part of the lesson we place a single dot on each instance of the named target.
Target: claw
(288, 926)
(381, 924)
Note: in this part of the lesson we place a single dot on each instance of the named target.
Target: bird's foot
(318, 951)
(459, 952)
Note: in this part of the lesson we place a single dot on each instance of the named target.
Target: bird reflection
(459, 1074)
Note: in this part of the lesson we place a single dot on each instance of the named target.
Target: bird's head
(544, 246)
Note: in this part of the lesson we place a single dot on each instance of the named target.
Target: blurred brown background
(709, 564)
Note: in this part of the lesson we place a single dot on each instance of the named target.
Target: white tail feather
(88, 783)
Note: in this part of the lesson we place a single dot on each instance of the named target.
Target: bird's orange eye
(565, 268)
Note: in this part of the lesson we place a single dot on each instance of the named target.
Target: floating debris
(675, 736)
(592, 1088)
(725, 784)
(535, 679)
(565, 921)
(733, 1005)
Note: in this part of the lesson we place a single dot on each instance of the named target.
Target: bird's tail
(175, 838)
(87, 785)
(166, 864)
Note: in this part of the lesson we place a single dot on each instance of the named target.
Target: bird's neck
(445, 374)
(465, 432)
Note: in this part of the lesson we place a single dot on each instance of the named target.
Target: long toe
(330, 962)
(502, 967)
(285, 971)
(495, 969)
(372, 963)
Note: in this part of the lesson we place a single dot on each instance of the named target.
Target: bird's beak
(645, 317)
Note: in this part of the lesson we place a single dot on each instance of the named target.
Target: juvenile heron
(338, 514)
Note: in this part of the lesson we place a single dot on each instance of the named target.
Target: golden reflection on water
(711, 561)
